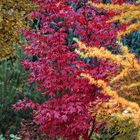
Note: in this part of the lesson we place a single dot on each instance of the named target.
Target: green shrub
(133, 42)
(13, 87)
(12, 79)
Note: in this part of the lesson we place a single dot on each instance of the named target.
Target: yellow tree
(12, 16)
(124, 88)
(125, 84)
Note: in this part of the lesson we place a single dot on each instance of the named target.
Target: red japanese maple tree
(56, 69)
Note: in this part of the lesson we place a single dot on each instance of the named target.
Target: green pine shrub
(13, 87)
(133, 42)
(12, 79)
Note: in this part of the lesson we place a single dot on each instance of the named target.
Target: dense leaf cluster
(55, 68)
(12, 16)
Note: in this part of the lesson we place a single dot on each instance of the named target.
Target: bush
(56, 69)
(12, 78)
(12, 16)
(133, 42)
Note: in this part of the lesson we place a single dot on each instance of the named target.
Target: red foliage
(113, 1)
(57, 68)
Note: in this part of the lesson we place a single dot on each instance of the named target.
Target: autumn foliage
(73, 82)
(12, 17)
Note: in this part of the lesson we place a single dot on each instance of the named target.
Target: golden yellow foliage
(128, 65)
(115, 119)
(124, 89)
(124, 13)
(12, 16)
(132, 107)
(127, 59)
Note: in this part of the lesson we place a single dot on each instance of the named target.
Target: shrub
(12, 77)
(12, 16)
(132, 40)
(118, 87)
(55, 68)
(10, 82)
